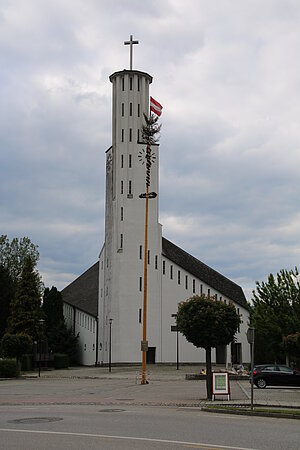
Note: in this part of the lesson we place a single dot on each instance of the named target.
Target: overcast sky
(228, 75)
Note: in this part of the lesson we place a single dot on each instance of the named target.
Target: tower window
(140, 315)
(130, 134)
(141, 284)
(208, 293)
(122, 161)
(156, 262)
(121, 241)
(138, 135)
(194, 286)
(123, 109)
(122, 213)
(122, 187)
(138, 87)
(171, 272)
(201, 289)
(129, 161)
(164, 267)
(139, 110)
(186, 282)
(130, 83)
(141, 252)
(130, 187)
(130, 109)
(122, 136)
(148, 256)
(178, 276)
(123, 84)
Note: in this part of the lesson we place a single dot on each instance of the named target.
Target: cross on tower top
(131, 42)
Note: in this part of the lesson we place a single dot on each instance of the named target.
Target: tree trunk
(208, 373)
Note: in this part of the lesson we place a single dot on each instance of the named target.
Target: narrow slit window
(178, 276)
(194, 286)
(122, 187)
(201, 289)
(130, 109)
(122, 161)
(122, 136)
(123, 109)
(122, 213)
(148, 256)
(140, 315)
(138, 86)
(138, 135)
(130, 187)
(130, 134)
(121, 240)
(156, 262)
(141, 252)
(129, 161)
(130, 83)
(171, 272)
(141, 284)
(208, 293)
(139, 110)
(123, 84)
(164, 267)
(186, 282)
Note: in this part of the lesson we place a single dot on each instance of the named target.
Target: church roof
(203, 272)
(83, 292)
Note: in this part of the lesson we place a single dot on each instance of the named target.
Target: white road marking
(129, 438)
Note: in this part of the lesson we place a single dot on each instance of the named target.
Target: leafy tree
(52, 307)
(60, 338)
(7, 291)
(207, 323)
(26, 306)
(14, 254)
(16, 345)
(275, 314)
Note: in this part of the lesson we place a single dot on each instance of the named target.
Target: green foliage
(61, 361)
(150, 129)
(52, 307)
(275, 314)
(62, 340)
(291, 344)
(9, 368)
(206, 322)
(15, 345)
(7, 291)
(26, 305)
(14, 254)
(27, 362)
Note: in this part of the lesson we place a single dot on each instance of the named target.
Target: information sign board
(220, 384)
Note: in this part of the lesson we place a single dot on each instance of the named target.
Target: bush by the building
(9, 368)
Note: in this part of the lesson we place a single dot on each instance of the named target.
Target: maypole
(149, 130)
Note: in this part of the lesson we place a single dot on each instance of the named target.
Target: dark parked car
(275, 375)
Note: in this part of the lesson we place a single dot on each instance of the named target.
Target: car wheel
(261, 383)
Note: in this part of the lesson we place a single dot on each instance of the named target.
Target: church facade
(105, 304)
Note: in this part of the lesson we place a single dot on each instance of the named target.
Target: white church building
(105, 304)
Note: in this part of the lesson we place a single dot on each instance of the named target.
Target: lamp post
(177, 341)
(41, 323)
(109, 362)
(251, 339)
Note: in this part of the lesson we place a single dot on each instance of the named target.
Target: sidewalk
(95, 385)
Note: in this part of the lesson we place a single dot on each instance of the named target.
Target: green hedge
(61, 361)
(8, 368)
(26, 362)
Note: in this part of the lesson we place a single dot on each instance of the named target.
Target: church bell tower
(122, 257)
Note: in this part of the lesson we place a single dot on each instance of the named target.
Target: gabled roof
(83, 292)
(203, 272)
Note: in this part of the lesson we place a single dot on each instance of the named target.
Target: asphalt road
(125, 427)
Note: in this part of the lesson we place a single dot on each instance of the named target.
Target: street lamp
(41, 323)
(175, 328)
(109, 363)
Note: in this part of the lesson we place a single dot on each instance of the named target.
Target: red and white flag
(155, 106)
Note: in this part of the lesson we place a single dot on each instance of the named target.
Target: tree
(26, 306)
(60, 338)
(207, 323)
(150, 129)
(275, 314)
(14, 254)
(16, 345)
(7, 291)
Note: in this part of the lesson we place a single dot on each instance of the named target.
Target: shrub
(26, 362)
(9, 368)
(61, 361)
